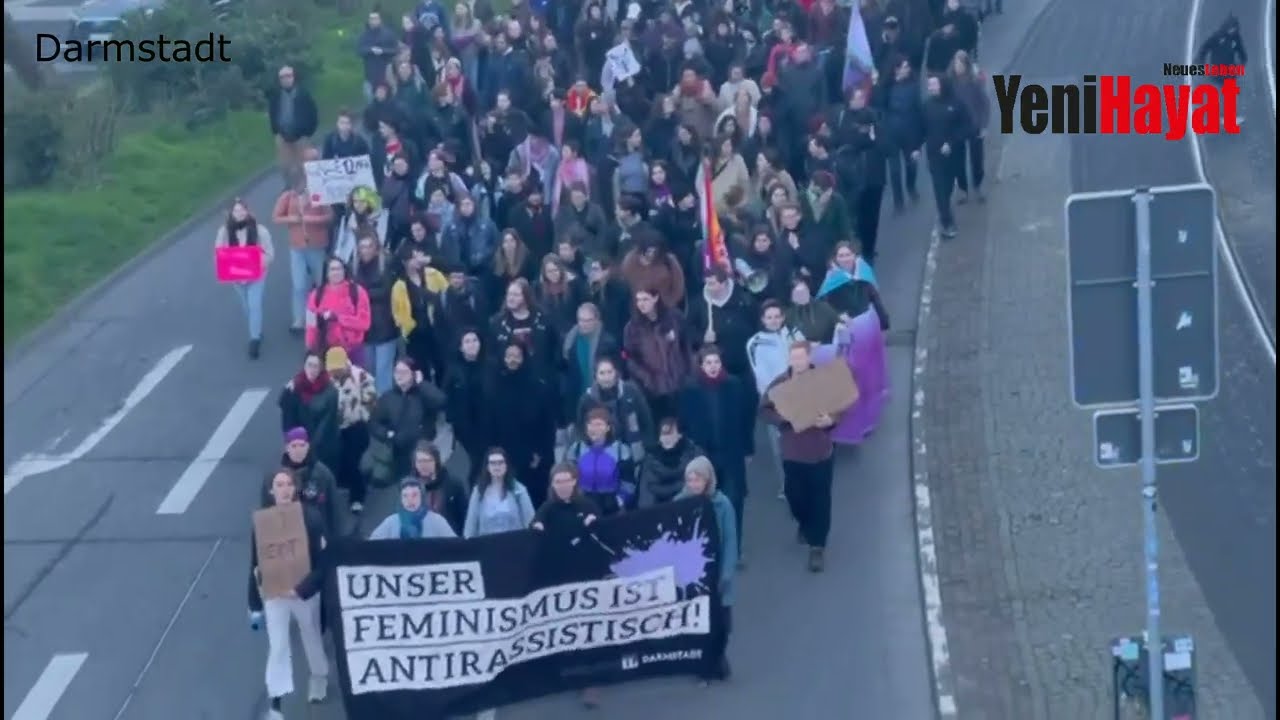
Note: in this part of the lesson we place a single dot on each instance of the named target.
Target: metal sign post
(1147, 413)
(1142, 309)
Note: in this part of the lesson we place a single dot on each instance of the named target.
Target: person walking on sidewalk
(946, 127)
(807, 464)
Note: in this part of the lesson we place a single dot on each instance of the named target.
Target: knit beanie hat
(298, 434)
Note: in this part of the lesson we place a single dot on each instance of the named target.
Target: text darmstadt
(213, 48)
(1115, 104)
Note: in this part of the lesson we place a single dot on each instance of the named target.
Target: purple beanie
(298, 434)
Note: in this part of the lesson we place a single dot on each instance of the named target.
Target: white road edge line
(173, 620)
(192, 480)
(35, 464)
(1269, 46)
(1224, 248)
(926, 543)
(52, 683)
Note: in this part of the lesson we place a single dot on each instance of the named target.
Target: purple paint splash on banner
(688, 558)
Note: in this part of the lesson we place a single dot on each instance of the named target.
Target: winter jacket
(664, 276)
(731, 318)
(433, 526)
(661, 474)
(718, 415)
(464, 387)
(629, 413)
(305, 117)
(307, 224)
(768, 354)
(727, 522)
(658, 351)
(475, 237)
(319, 416)
(604, 469)
(376, 278)
(513, 512)
(580, 371)
(357, 396)
(349, 304)
(403, 417)
(317, 488)
(815, 321)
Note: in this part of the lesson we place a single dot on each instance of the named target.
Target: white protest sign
(622, 62)
(329, 182)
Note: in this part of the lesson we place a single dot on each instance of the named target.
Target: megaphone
(755, 280)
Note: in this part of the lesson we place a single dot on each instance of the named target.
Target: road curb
(77, 304)
(926, 541)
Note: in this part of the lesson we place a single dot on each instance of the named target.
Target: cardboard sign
(828, 388)
(284, 558)
(238, 263)
(329, 182)
(622, 62)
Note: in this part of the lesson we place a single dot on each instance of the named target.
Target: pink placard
(241, 263)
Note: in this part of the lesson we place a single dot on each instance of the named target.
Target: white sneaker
(357, 508)
(273, 714)
(319, 689)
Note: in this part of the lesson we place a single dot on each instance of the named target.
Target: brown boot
(817, 560)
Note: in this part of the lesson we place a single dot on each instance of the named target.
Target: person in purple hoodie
(606, 471)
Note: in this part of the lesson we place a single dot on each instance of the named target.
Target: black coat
(305, 115)
(464, 388)
(734, 323)
(448, 497)
(720, 418)
(535, 334)
(614, 302)
(522, 420)
(403, 417)
(377, 278)
(319, 416)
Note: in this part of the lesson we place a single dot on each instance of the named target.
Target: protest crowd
(590, 245)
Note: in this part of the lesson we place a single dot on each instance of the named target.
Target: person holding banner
(301, 603)
(243, 251)
(700, 481)
(565, 516)
(499, 502)
(414, 519)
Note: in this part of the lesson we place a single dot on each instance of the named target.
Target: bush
(151, 171)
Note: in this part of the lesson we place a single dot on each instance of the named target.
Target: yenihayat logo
(1115, 104)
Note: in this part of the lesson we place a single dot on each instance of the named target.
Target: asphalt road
(114, 611)
(1243, 167)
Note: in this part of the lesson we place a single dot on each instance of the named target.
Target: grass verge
(59, 241)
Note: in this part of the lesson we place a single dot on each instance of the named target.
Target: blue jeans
(250, 294)
(306, 269)
(381, 361)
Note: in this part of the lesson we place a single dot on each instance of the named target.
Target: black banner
(430, 629)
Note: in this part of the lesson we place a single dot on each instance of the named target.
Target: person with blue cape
(850, 286)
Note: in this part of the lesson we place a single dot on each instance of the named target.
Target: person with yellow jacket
(413, 308)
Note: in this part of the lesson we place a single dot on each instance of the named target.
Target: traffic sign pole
(1147, 410)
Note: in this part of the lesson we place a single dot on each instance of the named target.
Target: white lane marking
(173, 619)
(35, 464)
(926, 542)
(49, 687)
(1220, 234)
(188, 486)
(1269, 46)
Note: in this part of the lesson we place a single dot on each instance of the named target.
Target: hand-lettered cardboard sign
(828, 388)
(283, 556)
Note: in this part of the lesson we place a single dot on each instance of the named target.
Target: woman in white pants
(302, 605)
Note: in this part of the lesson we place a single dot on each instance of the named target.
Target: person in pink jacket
(338, 313)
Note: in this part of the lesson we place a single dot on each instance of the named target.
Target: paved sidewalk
(1039, 552)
